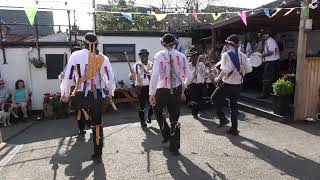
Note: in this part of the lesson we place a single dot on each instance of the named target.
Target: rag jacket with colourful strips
(77, 67)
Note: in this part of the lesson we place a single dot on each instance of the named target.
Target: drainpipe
(29, 68)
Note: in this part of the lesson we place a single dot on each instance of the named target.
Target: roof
(12, 17)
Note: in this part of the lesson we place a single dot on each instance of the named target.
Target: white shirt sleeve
(154, 76)
(272, 46)
(202, 70)
(107, 76)
(226, 63)
(189, 73)
(65, 81)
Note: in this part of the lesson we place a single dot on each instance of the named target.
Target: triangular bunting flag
(277, 11)
(266, 12)
(195, 16)
(291, 9)
(31, 13)
(216, 16)
(306, 10)
(243, 15)
(160, 17)
(127, 15)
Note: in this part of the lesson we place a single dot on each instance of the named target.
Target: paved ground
(265, 150)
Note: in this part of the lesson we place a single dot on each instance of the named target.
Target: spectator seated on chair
(4, 94)
(21, 97)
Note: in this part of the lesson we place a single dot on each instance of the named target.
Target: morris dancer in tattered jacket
(170, 72)
(196, 87)
(94, 81)
(141, 77)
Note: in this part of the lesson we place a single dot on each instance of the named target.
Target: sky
(82, 7)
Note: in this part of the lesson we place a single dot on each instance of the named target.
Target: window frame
(120, 45)
(47, 67)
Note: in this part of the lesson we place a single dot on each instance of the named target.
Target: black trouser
(91, 104)
(195, 97)
(270, 74)
(232, 92)
(172, 101)
(143, 95)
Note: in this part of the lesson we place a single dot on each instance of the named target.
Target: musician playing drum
(141, 72)
(271, 57)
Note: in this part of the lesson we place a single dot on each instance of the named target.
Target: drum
(255, 59)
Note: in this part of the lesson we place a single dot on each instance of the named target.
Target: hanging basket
(37, 63)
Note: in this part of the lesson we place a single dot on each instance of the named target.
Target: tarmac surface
(265, 149)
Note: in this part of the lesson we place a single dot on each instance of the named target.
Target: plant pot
(280, 104)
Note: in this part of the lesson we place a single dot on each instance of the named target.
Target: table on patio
(123, 95)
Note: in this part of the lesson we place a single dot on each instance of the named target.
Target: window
(115, 52)
(54, 65)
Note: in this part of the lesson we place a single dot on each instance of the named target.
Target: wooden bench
(123, 95)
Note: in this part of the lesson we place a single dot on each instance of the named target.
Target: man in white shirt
(196, 87)
(94, 82)
(232, 64)
(271, 71)
(169, 74)
(141, 77)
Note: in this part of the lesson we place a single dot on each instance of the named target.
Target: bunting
(31, 13)
(288, 12)
(243, 15)
(127, 16)
(195, 16)
(160, 17)
(216, 16)
(306, 10)
(277, 11)
(266, 12)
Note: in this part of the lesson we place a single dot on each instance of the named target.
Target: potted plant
(37, 63)
(282, 91)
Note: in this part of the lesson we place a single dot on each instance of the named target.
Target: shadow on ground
(288, 162)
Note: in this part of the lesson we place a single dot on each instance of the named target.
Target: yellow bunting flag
(216, 16)
(160, 17)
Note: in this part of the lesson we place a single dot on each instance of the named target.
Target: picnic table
(124, 95)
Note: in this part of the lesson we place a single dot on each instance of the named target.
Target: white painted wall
(152, 44)
(18, 66)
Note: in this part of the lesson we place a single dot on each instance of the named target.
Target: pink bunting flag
(243, 15)
(195, 16)
(291, 9)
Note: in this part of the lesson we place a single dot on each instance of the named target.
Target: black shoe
(149, 120)
(96, 158)
(223, 122)
(233, 132)
(176, 153)
(195, 117)
(143, 125)
(82, 132)
(164, 141)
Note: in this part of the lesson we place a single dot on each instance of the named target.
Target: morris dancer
(234, 65)
(170, 72)
(141, 77)
(94, 81)
(196, 87)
